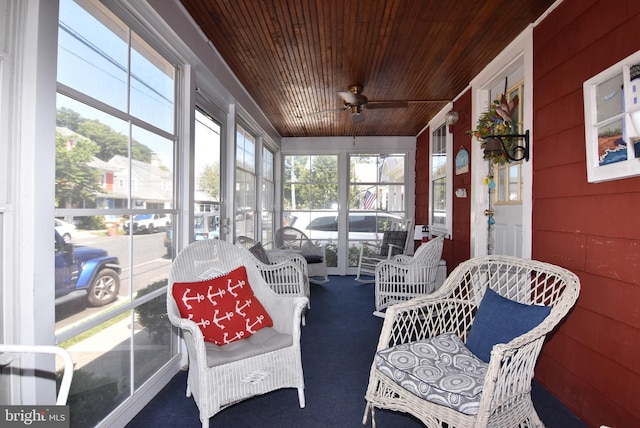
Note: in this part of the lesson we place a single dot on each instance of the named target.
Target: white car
(66, 230)
(362, 226)
(206, 226)
(149, 223)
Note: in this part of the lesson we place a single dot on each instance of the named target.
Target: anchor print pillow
(224, 307)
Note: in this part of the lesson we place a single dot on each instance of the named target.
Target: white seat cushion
(441, 370)
(262, 341)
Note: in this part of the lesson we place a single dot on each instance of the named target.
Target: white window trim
(28, 316)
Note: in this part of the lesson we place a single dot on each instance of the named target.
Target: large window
(245, 192)
(115, 180)
(268, 195)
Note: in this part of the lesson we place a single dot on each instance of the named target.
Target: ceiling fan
(354, 101)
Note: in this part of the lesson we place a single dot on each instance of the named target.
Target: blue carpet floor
(338, 344)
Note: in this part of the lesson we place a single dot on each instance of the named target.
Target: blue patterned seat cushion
(441, 370)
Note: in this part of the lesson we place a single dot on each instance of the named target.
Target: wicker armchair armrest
(391, 270)
(510, 372)
(288, 316)
(402, 259)
(193, 337)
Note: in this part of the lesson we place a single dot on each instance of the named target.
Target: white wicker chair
(395, 241)
(404, 277)
(504, 390)
(279, 274)
(217, 384)
(291, 240)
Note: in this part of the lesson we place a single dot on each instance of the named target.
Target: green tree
(110, 142)
(209, 181)
(76, 181)
(313, 182)
(68, 118)
(322, 176)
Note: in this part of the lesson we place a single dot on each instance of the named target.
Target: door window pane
(376, 195)
(509, 176)
(207, 196)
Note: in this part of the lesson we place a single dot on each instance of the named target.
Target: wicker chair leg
(205, 423)
(365, 417)
(535, 420)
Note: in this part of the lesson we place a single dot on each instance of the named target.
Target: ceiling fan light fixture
(356, 109)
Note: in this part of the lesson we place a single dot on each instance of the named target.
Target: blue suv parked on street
(85, 274)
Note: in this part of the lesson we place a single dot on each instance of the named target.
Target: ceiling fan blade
(348, 97)
(328, 111)
(386, 104)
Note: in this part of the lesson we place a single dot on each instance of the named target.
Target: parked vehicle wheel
(151, 229)
(66, 237)
(105, 288)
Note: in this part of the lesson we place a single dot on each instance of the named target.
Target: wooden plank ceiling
(294, 56)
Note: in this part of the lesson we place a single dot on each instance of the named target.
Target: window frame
(437, 122)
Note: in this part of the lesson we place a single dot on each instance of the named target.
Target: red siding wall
(592, 364)
(422, 178)
(461, 239)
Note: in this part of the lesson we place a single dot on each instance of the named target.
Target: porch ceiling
(294, 56)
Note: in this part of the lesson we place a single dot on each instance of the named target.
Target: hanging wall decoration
(462, 161)
(498, 119)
